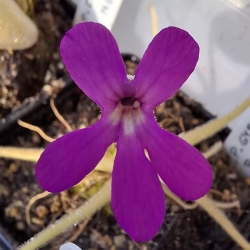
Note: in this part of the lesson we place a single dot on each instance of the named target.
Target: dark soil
(23, 74)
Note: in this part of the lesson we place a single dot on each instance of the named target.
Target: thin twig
(210, 207)
(59, 116)
(180, 121)
(31, 202)
(79, 231)
(178, 200)
(96, 202)
(36, 129)
(55, 216)
(213, 150)
(227, 205)
(214, 191)
(153, 19)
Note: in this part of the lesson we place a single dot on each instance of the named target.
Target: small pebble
(131, 245)
(55, 206)
(226, 195)
(42, 211)
(11, 212)
(36, 138)
(220, 163)
(248, 181)
(108, 240)
(175, 208)
(25, 190)
(20, 226)
(234, 197)
(13, 168)
(144, 247)
(232, 176)
(47, 89)
(195, 122)
(4, 191)
(119, 240)
(36, 221)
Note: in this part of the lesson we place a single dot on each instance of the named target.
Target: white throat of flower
(129, 115)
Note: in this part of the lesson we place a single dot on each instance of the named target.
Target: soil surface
(24, 73)
(24, 213)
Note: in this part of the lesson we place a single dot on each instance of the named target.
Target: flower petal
(167, 63)
(93, 60)
(137, 197)
(181, 166)
(67, 160)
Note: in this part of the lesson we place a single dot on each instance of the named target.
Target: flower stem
(26, 154)
(210, 207)
(33, 154)
(208, 129)
(154, 22)
(86, 210)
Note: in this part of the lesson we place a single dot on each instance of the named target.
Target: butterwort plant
(92, 58)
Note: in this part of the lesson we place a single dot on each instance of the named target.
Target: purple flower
(92, 58)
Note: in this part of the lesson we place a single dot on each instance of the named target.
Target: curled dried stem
(227, 205)
(36, 129)
(213, 150)
(79, 231)
(59, 116)
(178, 200)
(96, 202)
(31, 202)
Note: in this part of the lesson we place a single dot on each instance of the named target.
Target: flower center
(128, 113)
(128, 101)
